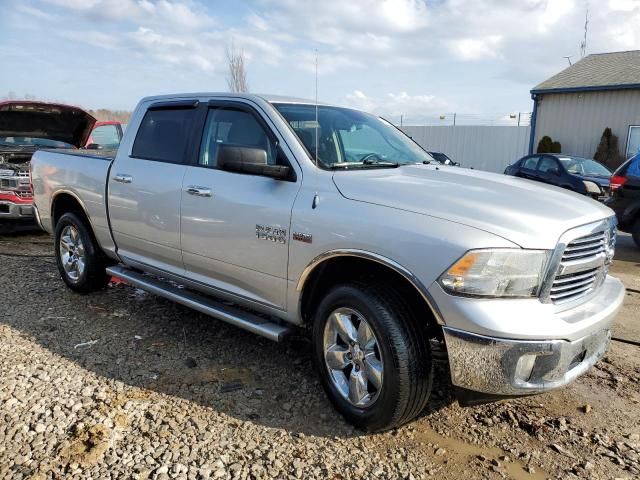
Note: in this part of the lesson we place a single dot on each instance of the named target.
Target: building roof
(602, 71)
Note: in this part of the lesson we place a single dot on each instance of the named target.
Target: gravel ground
(121, 384)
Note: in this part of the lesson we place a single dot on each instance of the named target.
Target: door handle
(198, 191)
(122, 178)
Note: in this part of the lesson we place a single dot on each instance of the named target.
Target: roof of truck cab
(247, 96)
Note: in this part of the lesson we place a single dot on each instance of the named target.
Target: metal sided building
(576, 105)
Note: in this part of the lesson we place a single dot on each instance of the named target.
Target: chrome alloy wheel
(72, 252)
(352, 357)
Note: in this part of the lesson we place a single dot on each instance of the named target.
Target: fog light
(524, 366)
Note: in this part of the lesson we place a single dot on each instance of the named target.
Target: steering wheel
(370, 156)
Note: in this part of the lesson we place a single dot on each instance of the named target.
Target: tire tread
(409, 342)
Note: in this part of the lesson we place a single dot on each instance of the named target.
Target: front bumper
(507, 366)
(15, 211)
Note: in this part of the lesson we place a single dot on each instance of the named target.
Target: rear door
(145, 187)
(235, 226)
(528, 167)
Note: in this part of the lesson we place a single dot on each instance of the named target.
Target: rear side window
(530, 163)
(163, 135)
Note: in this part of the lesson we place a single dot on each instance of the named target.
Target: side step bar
(201, 303)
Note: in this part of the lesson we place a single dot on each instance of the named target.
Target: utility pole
(454, 119)
(519, 118)
(401, 115)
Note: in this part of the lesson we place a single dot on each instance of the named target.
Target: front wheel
(80, 261)
(373, 356)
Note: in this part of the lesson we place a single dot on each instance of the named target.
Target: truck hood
(64, 123)
(527, 213)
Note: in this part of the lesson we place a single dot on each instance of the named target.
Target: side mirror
(554, 171)
(250, 160)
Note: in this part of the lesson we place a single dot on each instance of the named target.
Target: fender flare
(387, 262)
(57, 194)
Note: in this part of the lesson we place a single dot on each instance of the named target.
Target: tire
(635, 232)
(401, 348)
(74, 240)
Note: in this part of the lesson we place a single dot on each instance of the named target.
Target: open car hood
(63, 123)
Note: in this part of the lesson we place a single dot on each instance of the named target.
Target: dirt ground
(121, 384)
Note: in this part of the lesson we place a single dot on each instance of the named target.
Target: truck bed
(79, 173)
(97, 154)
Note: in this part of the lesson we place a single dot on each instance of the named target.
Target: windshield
(350, 138)
(33, 141)
(584, 166)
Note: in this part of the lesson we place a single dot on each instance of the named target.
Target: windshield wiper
(386, 163)
(363, 165)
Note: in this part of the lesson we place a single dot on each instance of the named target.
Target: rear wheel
(373, 357)
(80, 261)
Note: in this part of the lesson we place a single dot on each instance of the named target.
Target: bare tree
(583, 44)
(237, 76)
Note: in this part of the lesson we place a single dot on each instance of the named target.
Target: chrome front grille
(581, 262)
(566, 287)
(585, 247)
(17, 182)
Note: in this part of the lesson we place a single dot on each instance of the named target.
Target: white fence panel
(489, 148)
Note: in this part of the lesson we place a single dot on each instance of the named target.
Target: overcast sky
(419, 58)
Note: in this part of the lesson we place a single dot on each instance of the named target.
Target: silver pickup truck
(329, 218)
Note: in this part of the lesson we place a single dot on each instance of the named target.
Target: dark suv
(579, 174)
(625, 197)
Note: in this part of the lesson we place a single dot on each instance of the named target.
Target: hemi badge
(303, 237)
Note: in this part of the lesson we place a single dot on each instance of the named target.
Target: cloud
(476, 48)
(470, 53)
(178, 50)
(175, 14)
(393, 105)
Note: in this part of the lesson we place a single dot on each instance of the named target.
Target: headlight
(497, 273)
(592, 187)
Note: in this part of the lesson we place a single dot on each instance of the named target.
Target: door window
(530, 163)
(232, 126)
(105, 137)
(163, 135)
(546, 164)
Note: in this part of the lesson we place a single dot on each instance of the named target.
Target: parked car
(578, 174)
(625, 197)
(26, 126)
(250, 199)
(443, 158)
(105, 136)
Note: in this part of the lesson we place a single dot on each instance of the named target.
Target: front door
(235, 226)
(548, 170)
(145, 188)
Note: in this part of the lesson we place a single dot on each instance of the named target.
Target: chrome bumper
(497, 366)
(486, 363)
(15, 211)
(36, 214)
